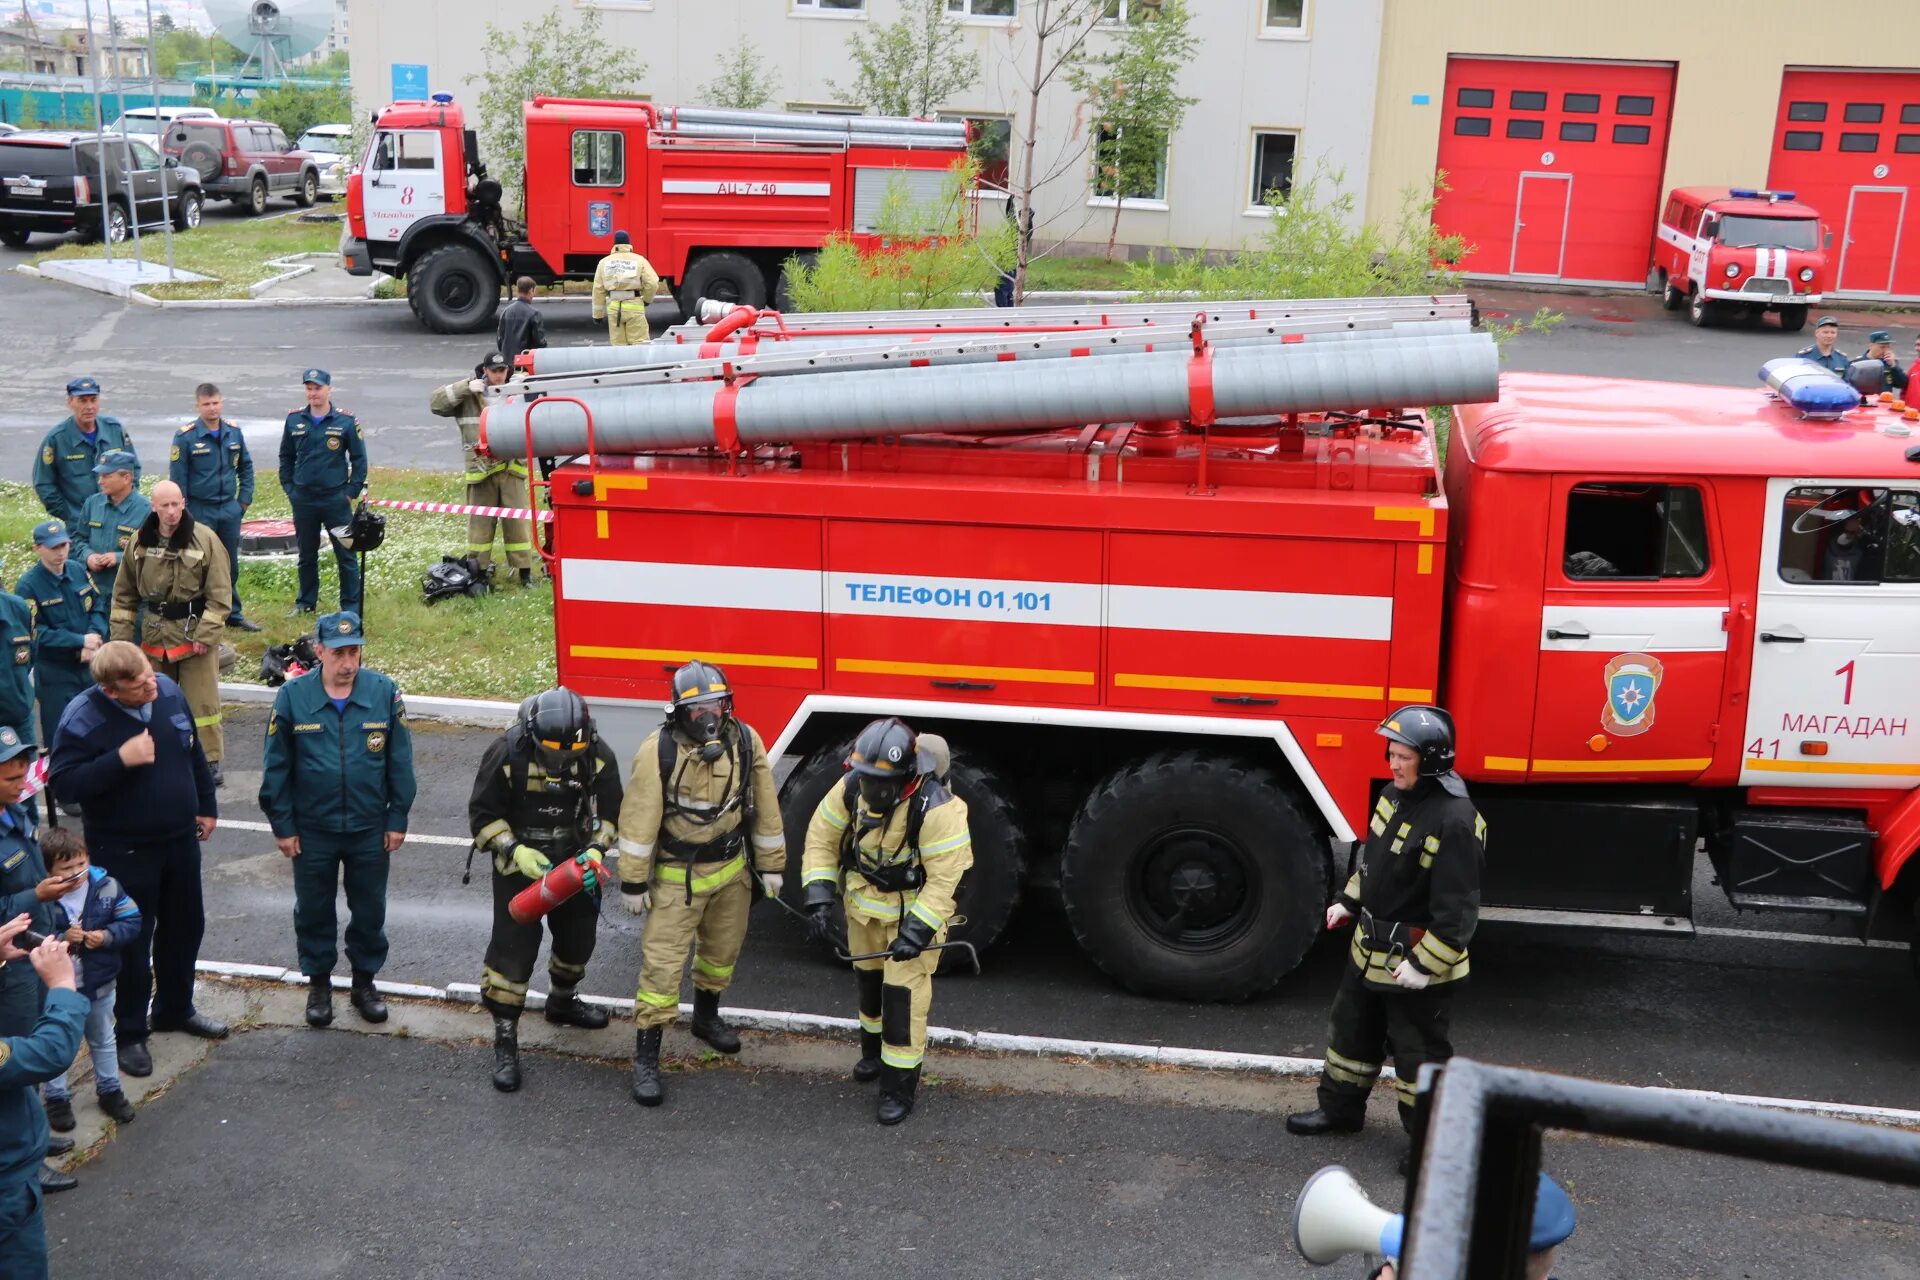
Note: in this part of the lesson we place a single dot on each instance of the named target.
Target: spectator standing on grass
(126, 749)
(63, 473)
(69, 624)
(97, 920)
(212, 466)
(109, 519)
(29, 1058)
(490, 481)
(323, 468)
(521, 328)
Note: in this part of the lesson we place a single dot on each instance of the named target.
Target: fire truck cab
(1665, 618)
(1740, 251)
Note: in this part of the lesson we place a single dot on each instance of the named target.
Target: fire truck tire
(1671, 298)
(989, 891)
(724, 277)
(1701, 310)
(1193, 875)
(1792, 319)
(454, 289)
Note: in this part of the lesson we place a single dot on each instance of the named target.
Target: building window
(1121, 12)
(991, 146)
(1286, 15)
(1577, 130)
(599, 158)
(1472, 126)
(1272, 168)
(1526, 128)
(1812, 112)
(1584, 104)
(827, 108)
(1803, 140)
(1132, 166)
(1635, 531)
(984, 10)
(1866, 142)
(1526, 100)
(815, 8)
(1632, 134)
(1632, 105)
(1863, 113)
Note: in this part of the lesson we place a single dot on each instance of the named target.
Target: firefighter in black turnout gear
(1416, 896)
(548, 790)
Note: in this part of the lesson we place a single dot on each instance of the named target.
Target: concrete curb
(471, 711)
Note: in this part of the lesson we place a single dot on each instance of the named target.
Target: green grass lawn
(496, 646)
(234, 251)
(1081, 273)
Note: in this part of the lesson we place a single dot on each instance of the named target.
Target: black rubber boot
(506, 1052)
(646, 1068)
(867, 1070)
(567, 1009)
(365, 1000)
(708, 1025)
(897, 1085)
(1311, 1124)
(526, 577)
(319, 1000)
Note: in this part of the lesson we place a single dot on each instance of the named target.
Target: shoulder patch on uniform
(190, 426)
(46, 455)
(6, 1051)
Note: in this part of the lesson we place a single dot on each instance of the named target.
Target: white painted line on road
(480, 712)
(1761, 935)
(241, 824)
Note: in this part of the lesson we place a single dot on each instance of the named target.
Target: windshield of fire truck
(1741, 231)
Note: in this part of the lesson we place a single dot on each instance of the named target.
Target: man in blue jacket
(323, 468)
(69, 623)
(336, 785)
(95, 917)
(211, 465)
(127, 751)
(27, 1060)
(63, 473)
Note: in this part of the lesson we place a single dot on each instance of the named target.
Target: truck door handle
(982, 686)
(1244, 700)
(1780, 637)
(1570, 631)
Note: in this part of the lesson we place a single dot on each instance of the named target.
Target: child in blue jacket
(98, 920)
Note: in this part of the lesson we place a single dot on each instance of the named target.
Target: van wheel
(1193, 875)
(14, 237)
(257, 197)
(1670, 297)
(724, 277)
(454, 289)
(1792, 319)
(1701, 311)
(309, 192)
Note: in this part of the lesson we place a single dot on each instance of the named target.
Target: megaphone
(1334, 1218)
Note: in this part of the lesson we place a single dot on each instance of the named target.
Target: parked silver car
(331, 146)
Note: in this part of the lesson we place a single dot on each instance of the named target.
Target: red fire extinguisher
(555, 887)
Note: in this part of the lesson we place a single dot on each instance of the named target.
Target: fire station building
(1560, 128)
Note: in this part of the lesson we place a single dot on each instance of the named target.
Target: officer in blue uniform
(16, 666)
(1880, 347)
(63, 473)
(211, 465)
(31, 1055)
(1823, 352)
(24, 884)
(336, 786)
(323, 468)
(69, 622)
(109, 519)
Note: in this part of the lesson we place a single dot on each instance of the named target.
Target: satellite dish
(272, 32)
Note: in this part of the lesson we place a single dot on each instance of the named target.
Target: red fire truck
(717, 200)
(1662, 615)
(1740, 251)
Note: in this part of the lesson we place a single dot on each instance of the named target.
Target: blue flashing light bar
(1812, 390)
(1754, 193)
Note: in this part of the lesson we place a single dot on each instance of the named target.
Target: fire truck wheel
(454, 289)
(1701, 311)
(1194, 876)
(1792, 319)
(991, 887)
(724, 277)
(1671, 297)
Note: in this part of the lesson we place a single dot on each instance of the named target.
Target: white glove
(774, 882)
(477, 385)
(1408, 975)
(636, 904)
(1338, 916)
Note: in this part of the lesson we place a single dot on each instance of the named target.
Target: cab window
(1635, 531)
(599, 158)
(417, 150)
(1850, 535)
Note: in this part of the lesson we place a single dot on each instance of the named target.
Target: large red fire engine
(1740, 251)
(717, 200)
(1159, 646)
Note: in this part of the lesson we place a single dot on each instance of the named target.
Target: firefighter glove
(1410, 977)
(774, 882)
(820, 921)
(593, 865)
(1338, 916)
(913, 938)
(636, 898)
(530, 862)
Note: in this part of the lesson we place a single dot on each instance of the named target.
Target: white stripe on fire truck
(716, 586)
(903, 595)
(682, 187)
(1250, 613)
(1613, 628)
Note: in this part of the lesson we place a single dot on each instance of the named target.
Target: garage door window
(1472, 126)
(1813, 112)
(1864, 113)
(1860, 142)
(1803, 140)
(1526, 128)
(1585, 104)
(1907, 144)
(1632, 134)
(1578, 130)
(1527, 100)
(1634, 105)
(1474, 98)
(1910, 114)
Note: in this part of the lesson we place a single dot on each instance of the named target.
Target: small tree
(744, 82)
(296, 110)
(1059, 32)
(911, 66)
(547, 56)
(1132, 92)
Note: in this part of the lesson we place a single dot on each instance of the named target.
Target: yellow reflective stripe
(838, 823)
(659, 999)
(712, 970)
(494, 979)
(634, 849)
(1408, 1090)
(487, 834)
(1336, 1072)
(775, 841)
(1353, 887)
(818, 874)
(1378, 825)
(1432, 843)
(869, 1025)
(519, 546)
(905, 1059)
(1352, 1064)
(670, 874)
(1439, 950)
(201, 722)
(1396, 845)
(926, 916)
(946, 846)
(885, 910)
(1479, 828)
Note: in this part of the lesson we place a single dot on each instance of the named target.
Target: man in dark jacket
(521, 328)
(29, 1056)
(127, 751)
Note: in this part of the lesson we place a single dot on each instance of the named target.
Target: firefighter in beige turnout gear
(699, 829)
(892, 844)
(490, 483)
(623, 285)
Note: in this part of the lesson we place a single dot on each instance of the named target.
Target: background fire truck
(1157, 582)
(1737, 251)
(717, 200)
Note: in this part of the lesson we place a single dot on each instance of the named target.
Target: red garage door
(1554, 167)
(1848, 143)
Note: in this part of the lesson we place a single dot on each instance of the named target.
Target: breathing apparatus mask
(885, 762)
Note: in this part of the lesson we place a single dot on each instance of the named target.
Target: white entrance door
(407, 182)
(1834, 700)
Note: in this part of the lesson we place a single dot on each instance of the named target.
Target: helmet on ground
(701, 707)
(886, 764)
(558, 724)
(1428, 730)
(456, 576)
(363, 533)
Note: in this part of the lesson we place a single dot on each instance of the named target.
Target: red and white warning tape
(462, 509)
(36, 779)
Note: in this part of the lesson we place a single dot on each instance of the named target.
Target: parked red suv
(244, 161)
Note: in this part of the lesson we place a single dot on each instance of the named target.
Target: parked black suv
(245, 161)
(50, 182)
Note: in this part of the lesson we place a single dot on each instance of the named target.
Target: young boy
(98, 920)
